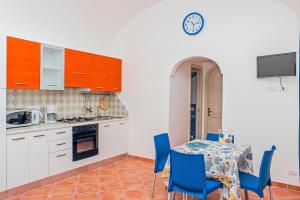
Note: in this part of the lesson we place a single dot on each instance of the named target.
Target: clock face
(193, 23)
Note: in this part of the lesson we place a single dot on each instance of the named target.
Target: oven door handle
(92, 135)
(85, 132)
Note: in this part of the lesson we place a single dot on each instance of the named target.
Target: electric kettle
(36, 117)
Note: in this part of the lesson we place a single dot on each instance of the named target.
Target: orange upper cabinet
(106, 74)
(115, 75)
(77, 68)
(23, 64)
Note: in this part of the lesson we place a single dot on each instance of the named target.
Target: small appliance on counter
(51, 114)
(18, 118)
(36, 117)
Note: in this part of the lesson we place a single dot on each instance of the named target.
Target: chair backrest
(188, 171)
(215, 137)
(162, 150)
(212, 136)
(265, 167)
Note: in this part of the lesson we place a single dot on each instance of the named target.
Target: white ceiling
(66, 21)
(76, 23)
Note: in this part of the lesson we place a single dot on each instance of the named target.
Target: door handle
(22, 138)
(60, 144)
(61, 155)
(21, 83)
(52, 85)
(37, 136)
(209, 111)
(59, 133)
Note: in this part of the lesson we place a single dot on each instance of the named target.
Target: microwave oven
(18, 118)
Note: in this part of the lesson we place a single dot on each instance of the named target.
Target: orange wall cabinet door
(106, 74)
(77, 69)
(115, 75)
(100, 74)
(23, 64)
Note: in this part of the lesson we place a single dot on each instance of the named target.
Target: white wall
(180, 96)
(235, 33)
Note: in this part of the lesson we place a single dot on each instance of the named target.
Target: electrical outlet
(293, 173)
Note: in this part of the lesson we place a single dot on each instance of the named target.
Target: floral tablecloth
(222, 162)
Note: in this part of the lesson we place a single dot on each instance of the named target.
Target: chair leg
(170, 196)
(246, 195)
(271, 193)
(221, 193)
(153, 185)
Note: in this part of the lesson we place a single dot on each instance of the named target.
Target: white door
(2, 140)
(60, 162)
(107, 141)
(214, 101)
(52, 67)
(122, 130)
(38, 155)
(17, 160)
(113, 139)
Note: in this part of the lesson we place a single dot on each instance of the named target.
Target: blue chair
(215, 137)
(162, 151)
(187, 175)
(258, 184)
(212, 137)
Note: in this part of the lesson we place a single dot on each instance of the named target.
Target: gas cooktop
(86, 119)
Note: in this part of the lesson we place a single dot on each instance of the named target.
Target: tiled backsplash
(70, 102)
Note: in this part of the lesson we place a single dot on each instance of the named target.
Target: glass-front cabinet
(52, 68)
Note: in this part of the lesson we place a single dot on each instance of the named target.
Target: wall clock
(193, 23)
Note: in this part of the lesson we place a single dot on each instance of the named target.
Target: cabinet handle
(52, 85)
(99, 87)
(122, 123)
(106, 126)
(37, 136)
(78, 73)
(62, 155)
(59, 133)
(60, 144)
(19, 83)
(115, 88)
(22, 138)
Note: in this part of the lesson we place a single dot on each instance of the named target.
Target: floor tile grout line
(76, 184)
(50, 191)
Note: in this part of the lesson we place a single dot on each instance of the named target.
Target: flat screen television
(276, 65)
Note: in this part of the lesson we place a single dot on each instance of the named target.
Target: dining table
(222, 162)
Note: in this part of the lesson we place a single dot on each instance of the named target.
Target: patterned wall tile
(70, 102)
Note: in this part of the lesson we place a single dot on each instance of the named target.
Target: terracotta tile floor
(126, 179)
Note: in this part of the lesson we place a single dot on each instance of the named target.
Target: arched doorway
(195, 99)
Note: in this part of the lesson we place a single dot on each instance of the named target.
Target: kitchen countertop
(58, 125)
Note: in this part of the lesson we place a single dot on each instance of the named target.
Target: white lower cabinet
(17, 160)
(38, 155)
(113, 139)
(60, 162)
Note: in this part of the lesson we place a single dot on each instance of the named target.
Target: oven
(85, 141)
